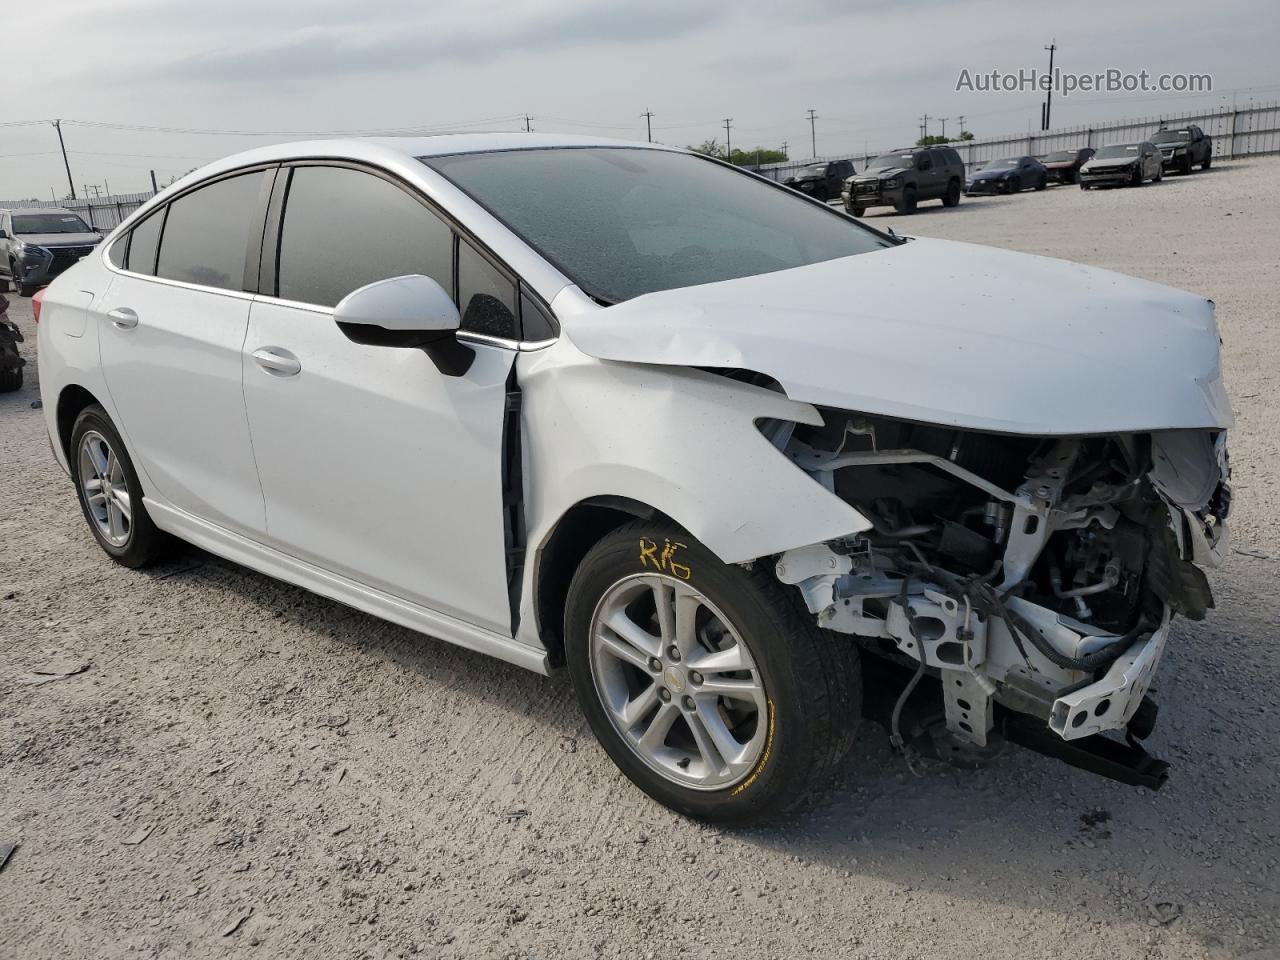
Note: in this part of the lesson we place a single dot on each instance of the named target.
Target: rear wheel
(1208, 161)
(110, 494)
(952, 197)
(706, 683)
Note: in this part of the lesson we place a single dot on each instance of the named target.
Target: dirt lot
(244, 766)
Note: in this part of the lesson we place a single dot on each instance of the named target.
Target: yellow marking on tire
(764, 757)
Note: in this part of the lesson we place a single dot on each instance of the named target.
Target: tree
(708, 148)
(966, 135)
(932, 141)
(749, 158)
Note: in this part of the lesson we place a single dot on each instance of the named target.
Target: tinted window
(206, 234)
(118, 250)
(38, 223)
(344, 228)
(486, 298)
(145, 237)
(535, 322)
(623, 222)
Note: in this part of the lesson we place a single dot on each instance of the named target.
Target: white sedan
(716, 448)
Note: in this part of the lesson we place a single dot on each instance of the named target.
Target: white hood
(944, 332)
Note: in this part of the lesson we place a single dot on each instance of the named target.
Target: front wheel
(109, 491)
(908, 202)
(708, 685)
(952, 197)
(857, 211)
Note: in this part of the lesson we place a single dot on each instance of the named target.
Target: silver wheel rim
(678, 683)
(106, 494)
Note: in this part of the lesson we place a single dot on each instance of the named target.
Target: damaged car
(609, 407)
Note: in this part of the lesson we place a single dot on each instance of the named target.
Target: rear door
(375, 465)
(171, 329)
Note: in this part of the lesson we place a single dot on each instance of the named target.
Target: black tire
(1042, 183)
(146, 542)
(1084, 186)
(1185, 166)
(820, 193)
(856, 211)
(908, 202)
(27, 289)
(11, 282)
(811, 678)
(10, 380)
(1208, 161)
(1136, 179)
(952, 197)
(1010, 186)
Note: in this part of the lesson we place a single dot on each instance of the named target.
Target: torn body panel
(683, 442)
(1038, 576)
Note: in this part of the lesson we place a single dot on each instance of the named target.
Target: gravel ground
(246, 766)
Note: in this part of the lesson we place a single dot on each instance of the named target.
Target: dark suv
(903, 178)
(823, 180)
(1181, 148)
(38, 243)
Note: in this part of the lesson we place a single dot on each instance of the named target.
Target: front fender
(680, 440)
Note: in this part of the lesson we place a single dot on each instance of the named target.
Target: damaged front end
(1034, 578)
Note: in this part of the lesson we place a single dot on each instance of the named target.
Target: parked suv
(903, 178)
(1184, 147)
(38, 243)
(711, 446)
(822, 181)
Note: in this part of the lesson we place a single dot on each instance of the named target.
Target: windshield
(890, 160)
(49, 223)
(1119, 150)
(1062, 156)
(1171, 136)
(621, 222)
(816, 170)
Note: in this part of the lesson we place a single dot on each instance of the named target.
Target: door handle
(277, 361)
(123, 317)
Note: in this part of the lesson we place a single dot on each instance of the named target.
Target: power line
(57, 125)
(813, 133)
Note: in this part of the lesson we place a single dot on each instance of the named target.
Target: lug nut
(673, 653)
(655, 664)
(664, 694)
(695, 677)
(687, 703)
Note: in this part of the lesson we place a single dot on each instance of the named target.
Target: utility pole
(813, 133)
(1048, 101)
(527, 127)
(107, 186)
(154, 187)
(924, 126)
(648, 124)
(728, 145)
(961, 119)
(57, 125)
(784, 150)
(944, 126)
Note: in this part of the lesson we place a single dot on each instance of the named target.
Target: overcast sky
(869, 69)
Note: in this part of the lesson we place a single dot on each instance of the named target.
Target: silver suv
(38, 243)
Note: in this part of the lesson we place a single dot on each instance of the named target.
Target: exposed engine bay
(1033, 576)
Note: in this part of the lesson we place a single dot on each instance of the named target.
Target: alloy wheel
(678, 683)
(105, 490)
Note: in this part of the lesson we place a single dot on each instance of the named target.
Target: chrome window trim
(181, 284)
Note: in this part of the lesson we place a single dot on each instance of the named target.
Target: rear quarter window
(206, 234)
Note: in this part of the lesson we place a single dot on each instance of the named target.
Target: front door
(171, 329)
(374, 465)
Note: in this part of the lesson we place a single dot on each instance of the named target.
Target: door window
(144, 241)
(924, 163)
(345, 228)
(486, 297)
(206, 234)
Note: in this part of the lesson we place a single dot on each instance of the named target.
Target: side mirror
(413, 312)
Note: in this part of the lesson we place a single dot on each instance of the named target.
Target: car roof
(55, 210)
